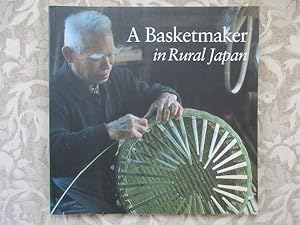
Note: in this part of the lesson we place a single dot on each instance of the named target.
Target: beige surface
(24, 164)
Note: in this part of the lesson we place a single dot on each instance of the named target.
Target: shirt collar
(80, 88)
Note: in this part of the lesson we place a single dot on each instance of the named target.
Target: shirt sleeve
(72, 148)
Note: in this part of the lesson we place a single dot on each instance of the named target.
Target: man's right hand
(128, 126)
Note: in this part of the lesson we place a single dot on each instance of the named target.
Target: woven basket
(194, 165)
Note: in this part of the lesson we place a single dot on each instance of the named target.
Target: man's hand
(128, 126)
(166, 106)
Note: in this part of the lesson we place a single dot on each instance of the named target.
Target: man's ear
(67, 53)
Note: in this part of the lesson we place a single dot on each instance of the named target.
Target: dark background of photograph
(200, 86)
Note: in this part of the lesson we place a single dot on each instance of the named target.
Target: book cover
(153, 110)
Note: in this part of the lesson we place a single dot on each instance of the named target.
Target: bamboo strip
(140, 174)
(211, 208)
(213, 140)
(152, 158)
(136, 194)
(147, 201)
(139, 162)
(230, 205)
(232, 187)
(173, 141)
(134, 161)
(162, 183)
(189, 208)
(232, 157)
(195, 132)
(169, 157)
(175, 131)
(166, 164)
(230, 195)
(183, 131)
(170, 149)
(223, 138)
(226, 149)
(203, 136)
(181, 204)
(218, 205)
(236, 166)
(216, 149)
(200, 205)
(233, 177)
(194, 206)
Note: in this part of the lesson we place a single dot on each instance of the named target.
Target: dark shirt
(78, 132)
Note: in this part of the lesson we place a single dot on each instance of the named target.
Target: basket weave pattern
(194, 165)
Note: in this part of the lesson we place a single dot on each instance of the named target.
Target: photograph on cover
(153, 110)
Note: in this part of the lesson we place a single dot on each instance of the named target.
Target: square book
(153, 110)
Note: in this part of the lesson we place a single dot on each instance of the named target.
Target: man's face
(95, 70)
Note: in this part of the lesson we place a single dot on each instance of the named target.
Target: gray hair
(79, 25)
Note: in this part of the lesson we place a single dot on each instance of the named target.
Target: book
(110, 66)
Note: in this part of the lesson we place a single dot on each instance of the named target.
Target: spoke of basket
(232, 187)
(233, 177)
(170, 149)
(139, 162)
(236, 166)
(195, 132)
(212, 211)
(147, 201)
(232, 157)
(142, 184)
(230, 195)
(175, 131)
(153, 159)
(218, 205)
(223, 138)
(183, 131)
(194, 204)
(200, 204)
(226, 149)
(136, 194)
(228, 203)
(180, 205)
(203, 136)
(134, 161)
(251, 206)
(168, 168)
(213, 139)
(189, 207)
(169, 157)
(166, 164)
(173, 141)
(140, 174)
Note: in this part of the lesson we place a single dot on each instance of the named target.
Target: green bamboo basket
(194, 165)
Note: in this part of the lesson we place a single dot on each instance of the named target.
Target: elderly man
(93, 104)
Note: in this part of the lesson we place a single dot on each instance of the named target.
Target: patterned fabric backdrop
(24, 158)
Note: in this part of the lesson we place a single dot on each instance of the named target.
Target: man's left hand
(166, 106)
